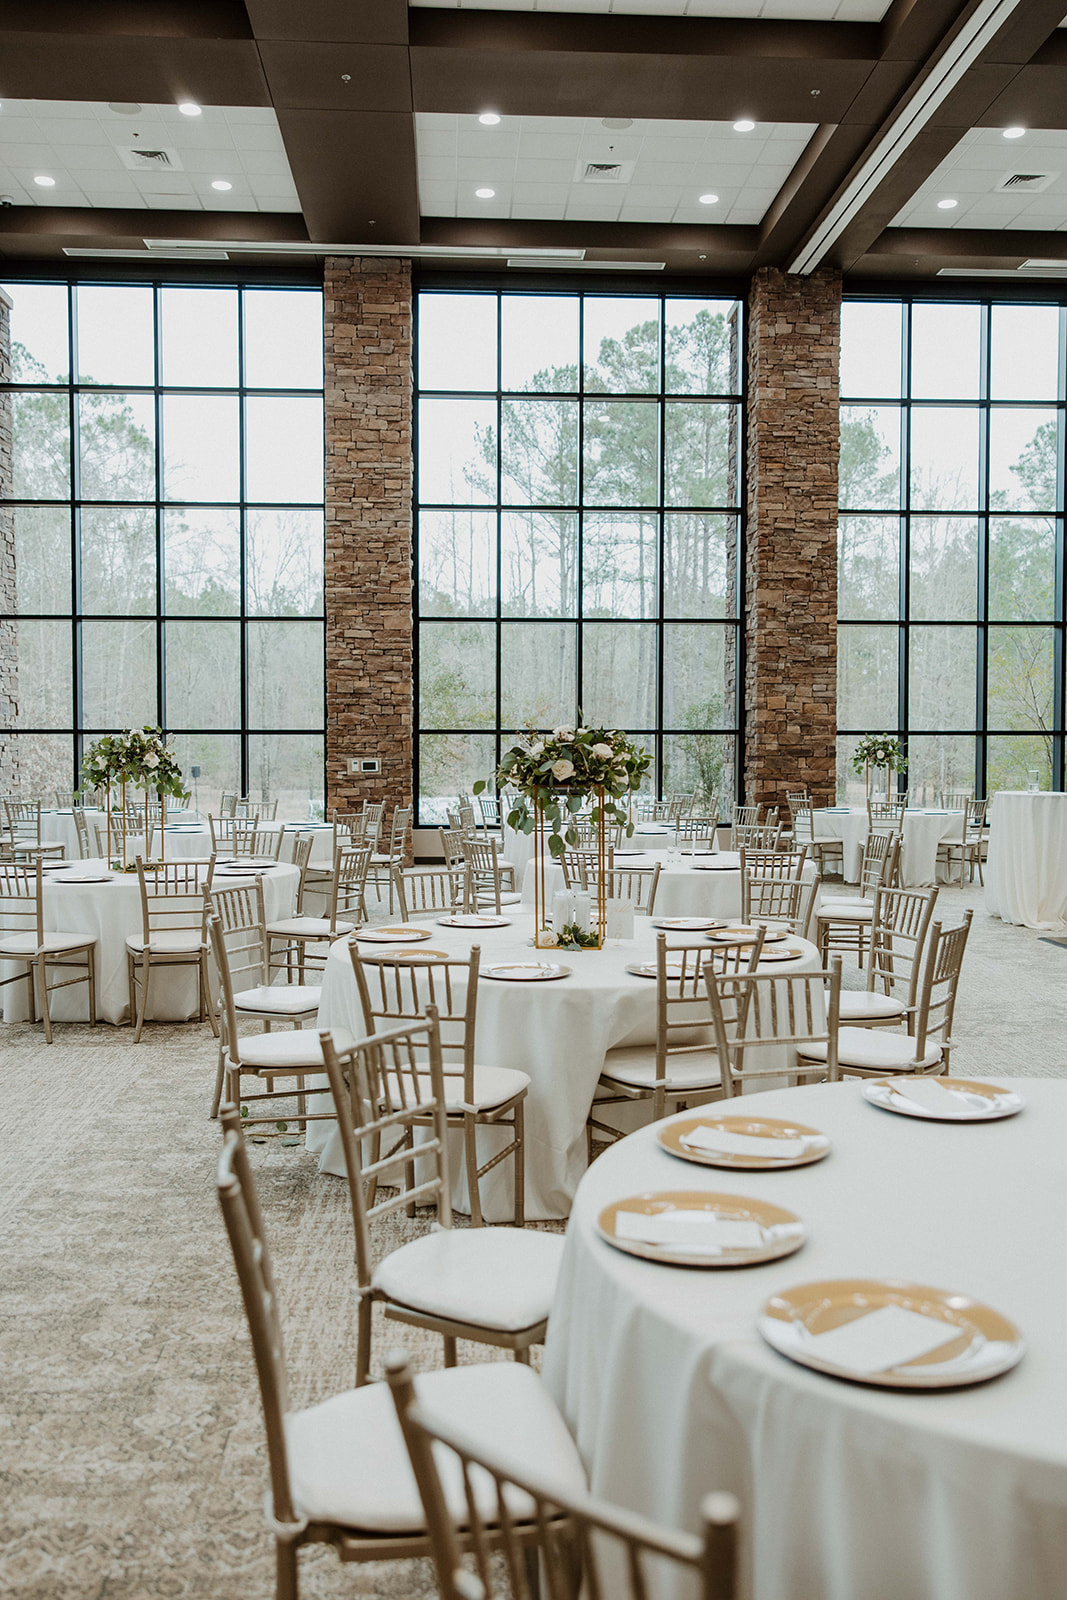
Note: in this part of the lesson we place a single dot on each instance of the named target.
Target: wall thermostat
(359, 764)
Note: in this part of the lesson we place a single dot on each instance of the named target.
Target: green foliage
(139, 756)
(557, 775)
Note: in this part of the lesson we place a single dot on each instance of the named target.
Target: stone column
(791, 570)
(9, 762)
(368, 529)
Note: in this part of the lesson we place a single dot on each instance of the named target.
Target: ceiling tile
(978, 163)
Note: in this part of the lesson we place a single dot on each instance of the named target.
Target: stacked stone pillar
(791, 567)
(9, 763)
(369, 656)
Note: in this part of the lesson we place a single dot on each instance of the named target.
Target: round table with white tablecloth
(703, 885)
(111, 910)
(847, 1491)
(924, 830)
(519, 847)
(557, 1032)
(184, 842)
(57, 827)
(1026, 870)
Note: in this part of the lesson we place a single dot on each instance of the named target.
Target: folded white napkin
(889, 1337)
(723, 1142)
(938, 1100)
(699, 1231)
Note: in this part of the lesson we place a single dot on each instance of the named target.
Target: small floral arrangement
(139, 756)
(573, 938)
(558, 774)
(879, 750)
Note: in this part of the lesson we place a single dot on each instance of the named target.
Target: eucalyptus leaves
(879, 750)
(558, 773)
(139, 756)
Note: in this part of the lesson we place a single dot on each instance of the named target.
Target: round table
(519, 847)
(1026, 870)
(847, 1491)
(924, 830)
(111, 911)
(184, 841)
(557, 1032)
(705, 885)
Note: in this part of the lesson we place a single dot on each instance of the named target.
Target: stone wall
(9, 763)
(368, 529)
(791, 569)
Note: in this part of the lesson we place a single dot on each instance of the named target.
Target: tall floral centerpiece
(139, 757)
(875, 751)
(556, 777)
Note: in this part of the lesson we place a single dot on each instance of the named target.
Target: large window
(168, 515)
(950, 572)
(578, 496)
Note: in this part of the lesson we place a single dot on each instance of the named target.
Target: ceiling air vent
(1025, 182)
(143, 160)
(603, 171)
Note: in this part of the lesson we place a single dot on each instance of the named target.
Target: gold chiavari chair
(173, 932)
(974, 845)
(899, 928)
(422, 889)
(395, 991)
(339, 1470)
(291, 941)
(382, 862)
(485, 876)
(25, 942)
(842, 921)
(492, 1285)
(586, 1546)
(24, 831)
(873, 1052)
(794, 1013)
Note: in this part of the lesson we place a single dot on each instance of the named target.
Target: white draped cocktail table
(705, 885)
(1026, 871)
(848, 1492)
(924, 830)
(557, 1032)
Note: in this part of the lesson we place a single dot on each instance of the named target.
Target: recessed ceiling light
(709, 199)
(488, 119)
(485, 194)
(125, 108)
(45, 181)
(1014, 133)
(744, 126)
(188, 108)
(221, 183)
(617, 124)
(947, 205)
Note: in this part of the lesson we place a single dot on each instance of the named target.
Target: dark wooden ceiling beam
(46, 231)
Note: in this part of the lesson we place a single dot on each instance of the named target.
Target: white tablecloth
(924, 830)
(1026, 873)
(704, 886)
(848, 1493)
(558, 1032)
(57, 827)
(518, 847)
(185, 842)
(112, 911)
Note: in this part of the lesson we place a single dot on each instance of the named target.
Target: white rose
(537, 749)
(582, 731)
(602, 752)
(562, 769)
(563, 733)
(151, 759)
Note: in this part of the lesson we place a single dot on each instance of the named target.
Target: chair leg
(523, 1355)
(363, 1340)
(206, 1002)
(520, 1166)
(91, 979)
(450, 1350)
(41, 972)
(470, 1153)
(220, 1073)
(146, 968)
(285, 1571)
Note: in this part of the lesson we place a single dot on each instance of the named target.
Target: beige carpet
(131, 1446)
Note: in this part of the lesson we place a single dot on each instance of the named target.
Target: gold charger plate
(648, 969)
(400, 934)
(713, 865)
(687, 924)
(783, 1231)
(891, 1094)
(469, 920)
(672, 1135)
(987, 1344)
(403, 953)
(527, 971)
(784, 952)
(745, 933)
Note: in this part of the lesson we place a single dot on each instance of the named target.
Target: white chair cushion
(635, 1066)
(857, 1004)
(348, 1462)
(495, 1277)
(296, 1050)
(493, 1086)
(309, 928)
(506, 899)
(846, 911)
(874, 1050)
(25, 944)
(179, 941)
(284, 999)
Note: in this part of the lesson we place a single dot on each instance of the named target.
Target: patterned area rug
(132, 1446)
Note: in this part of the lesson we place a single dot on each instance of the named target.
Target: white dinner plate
(746, 933)
(766, 1231)
(400, 934)
(687, 924)
(527, 971)
(785, 952)
(975, 1102)
(88, 877)
(470, 921)
(715, 865)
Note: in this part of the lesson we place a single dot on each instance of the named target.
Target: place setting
(691, 1228)
(687, 924)
(942, 1099)
(526, 971)
(751, 1144)
(472, 921)
(400, 933)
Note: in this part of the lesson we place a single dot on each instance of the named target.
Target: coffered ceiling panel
(995, 183)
